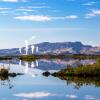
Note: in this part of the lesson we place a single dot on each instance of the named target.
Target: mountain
(62, 47)
(5, 52)
(55, 48)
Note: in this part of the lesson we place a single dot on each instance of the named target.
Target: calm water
(34, 86)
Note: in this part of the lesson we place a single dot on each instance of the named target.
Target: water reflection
(35, 95)
(48, 64)
(5, 81)
(76, 81)
(33, 85)
(6, 75)
(56, 64)
(29, 67)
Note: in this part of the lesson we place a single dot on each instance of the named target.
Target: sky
(49, 21)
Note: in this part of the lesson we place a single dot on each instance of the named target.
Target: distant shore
(50, 56)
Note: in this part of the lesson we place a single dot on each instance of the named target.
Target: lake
(32, 85)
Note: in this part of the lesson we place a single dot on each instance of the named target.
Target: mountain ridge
(55, 48)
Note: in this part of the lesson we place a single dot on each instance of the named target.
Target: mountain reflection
(54, 64)
(79, 82)
(49, 64)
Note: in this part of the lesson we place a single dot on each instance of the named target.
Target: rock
(46, 73)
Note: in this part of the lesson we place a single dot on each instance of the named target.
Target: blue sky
(49, 20)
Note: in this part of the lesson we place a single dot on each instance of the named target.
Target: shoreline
(50, 56)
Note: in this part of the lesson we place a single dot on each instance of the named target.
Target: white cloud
(96, 12)
(34, 95)
(13, 1)
(89, 3)
(71, 96)
(24, 9)
(9, 0)
(89, 15)
(72, 17)
(5, 13)
(66, 17)
(38, 7)
(93, 13)
(33, 18)
(89, 97)
(30, 8)
(3, 8)
(44, 18)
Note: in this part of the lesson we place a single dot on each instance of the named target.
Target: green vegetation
(81, 70)
(4, 73)
(83, 56)
(28, 58)
(5, 58)
(51, 56)
(63, 56)
(31, 58)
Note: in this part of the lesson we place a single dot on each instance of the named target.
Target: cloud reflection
(35, 95)
(44, 94)
(71, 96)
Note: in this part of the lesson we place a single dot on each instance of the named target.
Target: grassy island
(28, 58)
(80, 71)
